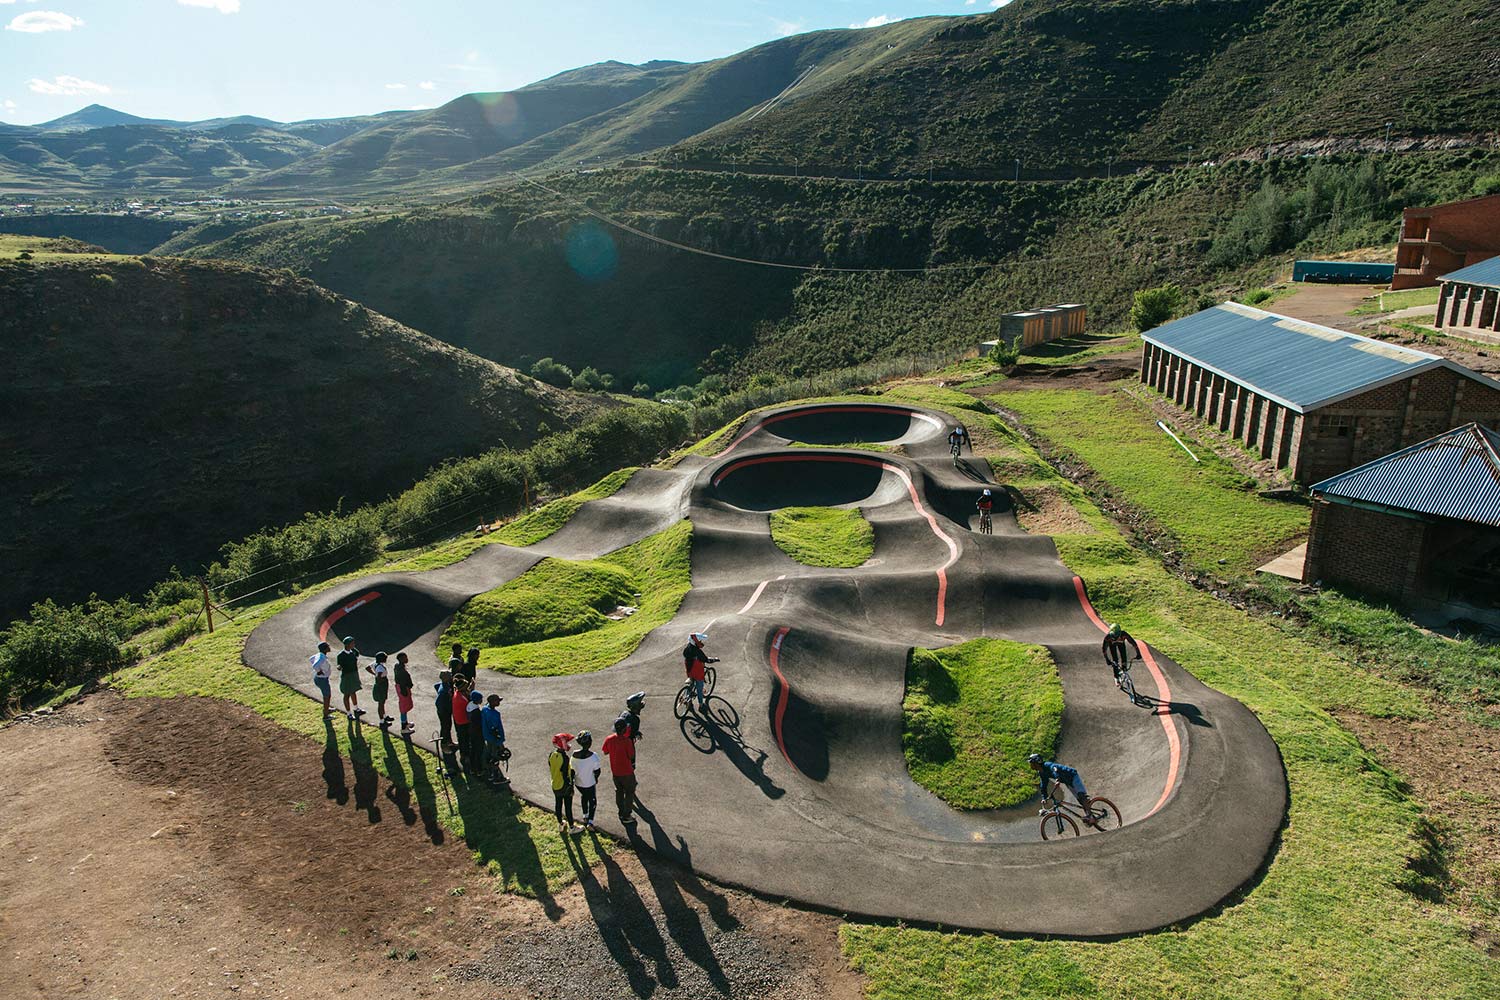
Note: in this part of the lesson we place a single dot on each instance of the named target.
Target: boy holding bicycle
(694, 661)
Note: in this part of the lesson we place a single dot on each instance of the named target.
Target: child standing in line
(471, 665)
(494, 738)
(404, 703)
(381, 689)
(348, 663)
(461, 722)
(322, 668)
(619, 747)
(444, 706)
(586, 767)
(560, 763)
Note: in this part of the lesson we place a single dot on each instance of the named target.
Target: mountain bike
(1126, 683)
(1060, 819)
(956, 447)
(986, 524)
(683, 704)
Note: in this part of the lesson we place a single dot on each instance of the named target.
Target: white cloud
(36, 21)
(427, 85)
(875, 21)
(784, 28)
(222, 6)
(997, 4)
(8, 108)
(472, 56)
(395, 86)
(66, 86)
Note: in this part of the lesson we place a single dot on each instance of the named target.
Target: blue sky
(294, 59)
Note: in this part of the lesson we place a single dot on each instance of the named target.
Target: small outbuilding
(1314, 399)
(1420, 526)
(1468, 300)
(1439, 239)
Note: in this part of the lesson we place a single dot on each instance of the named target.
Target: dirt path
(1326, 304)
(188, 848)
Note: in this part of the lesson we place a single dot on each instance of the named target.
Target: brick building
(1420, 526)
(1315, 400)
(1467, 304)
(1442, 238)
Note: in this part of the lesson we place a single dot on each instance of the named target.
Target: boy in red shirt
(620, 749)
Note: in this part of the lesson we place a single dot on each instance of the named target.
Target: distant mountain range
(1048, 88)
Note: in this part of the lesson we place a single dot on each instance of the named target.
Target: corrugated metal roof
(1454, 475)
(1298, 364)
(1486, 272)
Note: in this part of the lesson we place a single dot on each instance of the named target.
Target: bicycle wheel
(1057, 825)
(986, 524)
(1127, 684)
(710, 678)
(1105, 814)
(683, 704)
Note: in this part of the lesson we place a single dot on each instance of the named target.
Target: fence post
(208, 604)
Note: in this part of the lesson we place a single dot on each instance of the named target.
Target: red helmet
(561, 740)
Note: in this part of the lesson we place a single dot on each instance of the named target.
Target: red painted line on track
(835, 408)
(782, 696)
(911, 489)
(338, 613)
(1164, 696)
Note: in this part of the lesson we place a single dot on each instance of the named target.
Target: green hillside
(520, 273)
(172, 404)
(1068, 85)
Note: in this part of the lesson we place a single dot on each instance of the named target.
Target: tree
(592, 380)
(553, 373)
(1155, 306)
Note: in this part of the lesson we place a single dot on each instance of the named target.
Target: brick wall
(1363, 550)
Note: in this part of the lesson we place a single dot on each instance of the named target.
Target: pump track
(799, 789)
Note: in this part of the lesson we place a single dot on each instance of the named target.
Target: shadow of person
(421, 784)
(637, 922)
(682, 920)
(1186, 709)
(607, 920)
(399, 790)
(501, 839)
(366, 778)
(333, 764)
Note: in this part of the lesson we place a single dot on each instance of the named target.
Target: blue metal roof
(1298, 364)
(1486, 272)
(1454, 475)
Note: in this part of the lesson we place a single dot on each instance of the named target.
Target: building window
(1335, 425)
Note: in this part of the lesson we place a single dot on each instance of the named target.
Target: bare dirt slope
(190, 848)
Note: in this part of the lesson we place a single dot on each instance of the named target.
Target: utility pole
(1110, 168)
(1018, 171)
(1388, 136)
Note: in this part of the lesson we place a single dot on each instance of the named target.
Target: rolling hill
(174, 404)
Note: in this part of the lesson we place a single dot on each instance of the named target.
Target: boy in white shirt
(322, 668)
(586, 767)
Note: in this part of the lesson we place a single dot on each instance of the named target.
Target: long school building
(1313, 399)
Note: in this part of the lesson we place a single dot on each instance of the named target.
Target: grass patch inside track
(552, 619)
(835, 537)
(1340, 911)
(971, 715)
(1210, 508)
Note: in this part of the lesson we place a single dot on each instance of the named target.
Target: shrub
(1486, 185)
(1255, 296)
(1005, 354)
(592, 380)
(552, 372)
(57, 646)
(1155, 306)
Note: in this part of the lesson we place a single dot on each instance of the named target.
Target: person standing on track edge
(632, 714)
(322, 668)
(695, 661)
(349, 684)
(1064, 775)
(586, 768)
(1115, 641)
(560, 764)
(619, 747)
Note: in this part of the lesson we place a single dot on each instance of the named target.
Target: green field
(972, 713)
(552, 619)
(823, 536)
(1391, 301)
(1210, 507)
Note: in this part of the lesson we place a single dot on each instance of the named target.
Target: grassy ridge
(551, 620)
(823, 536)
(972, 713)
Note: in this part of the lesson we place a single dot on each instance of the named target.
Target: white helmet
(986, 492)
(699, 637)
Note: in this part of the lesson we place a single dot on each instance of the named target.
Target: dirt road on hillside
(189, 848)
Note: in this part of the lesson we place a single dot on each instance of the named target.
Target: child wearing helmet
(695, 661)
(1066, 776)
(560, 763)
(632, 714)
(586, 767)
(1115, 641)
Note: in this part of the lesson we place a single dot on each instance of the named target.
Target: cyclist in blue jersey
(1064, 775)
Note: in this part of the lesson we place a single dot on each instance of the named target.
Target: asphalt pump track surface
(798, 788)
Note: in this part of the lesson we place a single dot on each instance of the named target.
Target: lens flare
(591, 251)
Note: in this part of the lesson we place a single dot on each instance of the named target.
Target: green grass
(1391, 301)
(823, 536)
(519, 845)
(528, 529)
(1210, 508)
(1344, 909)
(971, 715)
(549, 620)
(44, 249)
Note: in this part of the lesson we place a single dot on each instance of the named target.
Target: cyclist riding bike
(1066, 776)
(986, 506)
(695, 662)
(1115, 653)
(957, 439)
